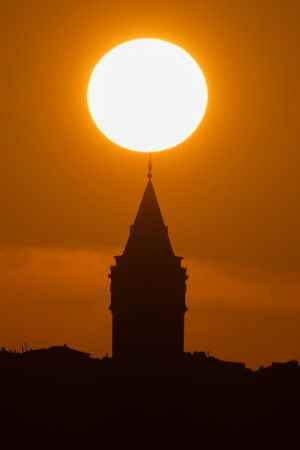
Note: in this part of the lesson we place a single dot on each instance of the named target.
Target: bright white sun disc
(147, 95)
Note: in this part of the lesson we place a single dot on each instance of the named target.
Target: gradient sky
(229, 195)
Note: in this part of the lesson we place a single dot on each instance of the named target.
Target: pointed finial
(149, 167)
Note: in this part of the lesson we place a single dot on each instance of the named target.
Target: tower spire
(149, 175)
(148, 234)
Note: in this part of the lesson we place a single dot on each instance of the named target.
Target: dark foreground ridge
(63, 397)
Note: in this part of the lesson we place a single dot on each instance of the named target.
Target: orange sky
(229, 194)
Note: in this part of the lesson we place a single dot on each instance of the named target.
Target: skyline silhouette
(67, 398)
(229, 194)
(128, 351)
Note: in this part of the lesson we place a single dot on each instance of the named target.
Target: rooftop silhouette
(64, 398)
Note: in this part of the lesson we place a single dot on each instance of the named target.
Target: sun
(147, 95)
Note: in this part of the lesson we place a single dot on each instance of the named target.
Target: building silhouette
(148, 288)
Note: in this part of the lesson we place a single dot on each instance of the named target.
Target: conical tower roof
(149, 235)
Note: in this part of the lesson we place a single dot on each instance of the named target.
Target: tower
(148, 287)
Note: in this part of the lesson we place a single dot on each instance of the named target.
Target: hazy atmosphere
(229, 194)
